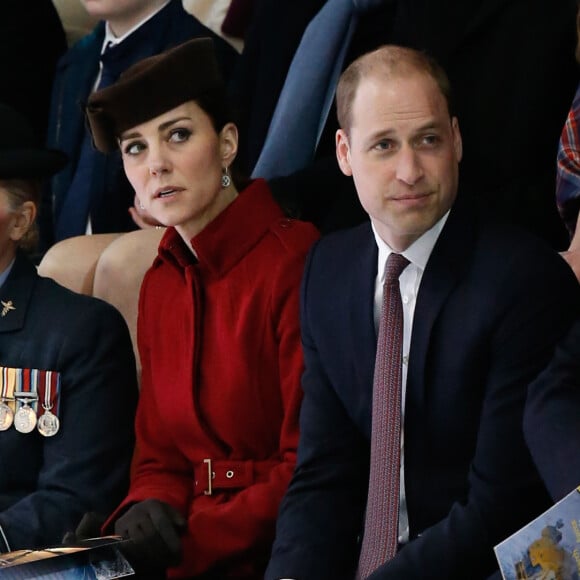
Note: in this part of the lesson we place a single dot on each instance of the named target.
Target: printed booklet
(548, 548)
(93, 559)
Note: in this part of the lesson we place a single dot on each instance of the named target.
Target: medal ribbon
(49, 391)
(7, 377)
(16, 384)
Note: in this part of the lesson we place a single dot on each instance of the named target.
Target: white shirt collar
(417, 253)
(6, 273)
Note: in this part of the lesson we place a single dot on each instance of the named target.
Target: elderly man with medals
(67, 372)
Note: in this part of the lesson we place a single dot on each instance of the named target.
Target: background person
(67, 372)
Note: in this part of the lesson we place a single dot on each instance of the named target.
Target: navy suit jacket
(48, 483)
(493, 301)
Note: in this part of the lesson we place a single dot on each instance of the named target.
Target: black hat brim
(31, 163)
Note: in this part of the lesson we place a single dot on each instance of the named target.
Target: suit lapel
(360, 302)
(450, 257)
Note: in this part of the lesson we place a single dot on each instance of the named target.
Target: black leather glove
(153, 529)
(89, 527)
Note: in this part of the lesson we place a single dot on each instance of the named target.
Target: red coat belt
(212, 475)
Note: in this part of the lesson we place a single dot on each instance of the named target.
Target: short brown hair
(392, 61)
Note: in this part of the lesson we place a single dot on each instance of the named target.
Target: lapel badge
(6, 307)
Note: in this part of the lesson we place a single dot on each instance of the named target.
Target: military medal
(6, 416)
(48, 423)
(6, 413)
(25, 419)
(25, 416)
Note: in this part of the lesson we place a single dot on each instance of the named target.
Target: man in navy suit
(483, 305)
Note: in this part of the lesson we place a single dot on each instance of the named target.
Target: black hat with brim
(21, 154)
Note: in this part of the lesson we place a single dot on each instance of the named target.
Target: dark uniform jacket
(48, 483)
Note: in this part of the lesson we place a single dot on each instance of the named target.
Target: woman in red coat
(218, 328)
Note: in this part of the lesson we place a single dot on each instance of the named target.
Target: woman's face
(174, 163)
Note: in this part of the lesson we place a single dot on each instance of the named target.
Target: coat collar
(230, 236)
(15, 294)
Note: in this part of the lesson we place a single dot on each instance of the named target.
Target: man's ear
(23, 219)
(228, 144)
(343, 152)
(457, 141)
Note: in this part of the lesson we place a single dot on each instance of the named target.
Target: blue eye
(133, 148)
(430, 140)
(384, 145)
(179, 135)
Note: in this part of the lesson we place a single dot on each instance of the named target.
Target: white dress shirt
(409, 281)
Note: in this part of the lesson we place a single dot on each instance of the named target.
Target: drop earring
(226, 179)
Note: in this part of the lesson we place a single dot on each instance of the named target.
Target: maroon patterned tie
(381, 524)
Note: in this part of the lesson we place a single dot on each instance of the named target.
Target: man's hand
(142, 217)
(153, 528)
(572, 255)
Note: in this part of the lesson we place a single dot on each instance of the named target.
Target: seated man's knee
(72, 262)
(123, 263)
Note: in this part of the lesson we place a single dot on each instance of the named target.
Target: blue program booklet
(546, 548)
(95, 559)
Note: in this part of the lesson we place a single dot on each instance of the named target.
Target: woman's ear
(23, 219)
(228, 144)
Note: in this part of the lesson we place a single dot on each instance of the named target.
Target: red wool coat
(220, 347)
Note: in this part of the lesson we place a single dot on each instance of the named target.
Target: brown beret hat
(151, 87)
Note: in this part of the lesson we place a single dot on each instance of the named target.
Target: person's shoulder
(472, 218)
(86, 45)
(64, 304)
(295, 236)
(503, 246)
(347, 241)
(499, 235)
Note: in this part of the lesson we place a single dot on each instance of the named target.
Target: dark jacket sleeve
(552, 418)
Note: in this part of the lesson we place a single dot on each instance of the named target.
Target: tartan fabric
(381, 524)
(568, 167)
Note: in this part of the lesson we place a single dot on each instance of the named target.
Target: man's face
(127, 13)
(403, 152)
